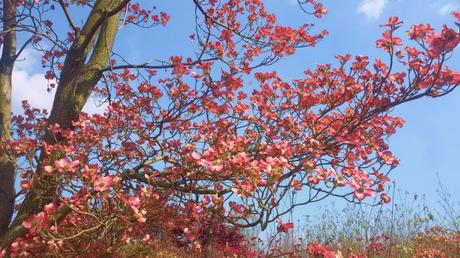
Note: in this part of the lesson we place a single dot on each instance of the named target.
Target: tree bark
(7, 166)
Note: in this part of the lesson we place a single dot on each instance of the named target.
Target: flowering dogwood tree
(186, 151)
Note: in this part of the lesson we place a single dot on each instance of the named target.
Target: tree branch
(149, 66)
(67, 15)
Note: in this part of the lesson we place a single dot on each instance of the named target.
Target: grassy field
(407, 227)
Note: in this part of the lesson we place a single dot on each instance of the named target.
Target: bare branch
(67, 15)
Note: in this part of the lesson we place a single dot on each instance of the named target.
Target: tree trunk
(76, 82)
(7, 166)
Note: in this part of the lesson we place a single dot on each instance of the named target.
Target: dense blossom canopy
(190, 150)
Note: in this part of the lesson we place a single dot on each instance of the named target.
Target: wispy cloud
(448, 8)
(372, 8)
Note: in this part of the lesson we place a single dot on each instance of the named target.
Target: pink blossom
(134, 201)
(195, 156)
(48, 169)
(361, 190)
(64, 165)
(103, 183)
(284, 227)
(34, 220)
(385, 198)
(50, 208)
(60, 164)
(216, 166)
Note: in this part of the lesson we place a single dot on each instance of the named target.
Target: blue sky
(427, 145)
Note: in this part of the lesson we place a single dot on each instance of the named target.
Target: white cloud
(372, 8)
(33, 87)
(30, 87)
(448, 8)
(28, 60)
